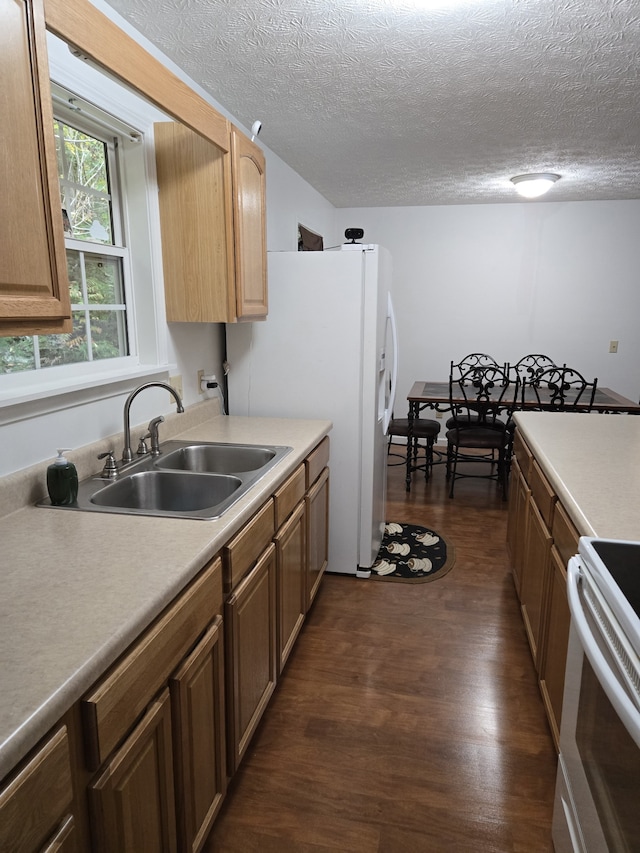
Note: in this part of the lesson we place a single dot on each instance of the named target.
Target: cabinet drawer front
(288, 495)
(317, 461)
(523, 454)
(33, 804)
(245, 548)
(565, 535)
(543, 493)
(113, 706)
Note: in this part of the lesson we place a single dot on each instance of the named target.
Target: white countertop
(79, 587)
(593, 463)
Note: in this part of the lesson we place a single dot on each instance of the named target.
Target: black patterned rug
(412, 553)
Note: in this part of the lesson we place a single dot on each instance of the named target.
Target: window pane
(74, 270)
(65, 349)
(85, 160)
(84, 183)
(108, 334)
(104, 279)
(90, 216)
(16, 354)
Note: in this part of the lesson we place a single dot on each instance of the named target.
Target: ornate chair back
(562, 389)
(482, 396)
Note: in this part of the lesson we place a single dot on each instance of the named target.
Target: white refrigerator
(328, 349)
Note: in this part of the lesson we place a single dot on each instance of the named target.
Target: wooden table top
(436, 395)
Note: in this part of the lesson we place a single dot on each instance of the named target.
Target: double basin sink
(199, 480)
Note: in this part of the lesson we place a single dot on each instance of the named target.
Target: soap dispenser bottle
(62, 480)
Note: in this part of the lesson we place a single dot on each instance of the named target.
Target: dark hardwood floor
(408, 718)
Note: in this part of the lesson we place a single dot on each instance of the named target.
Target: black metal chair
(482, 401)
(423, 429)
(561, 389)
(469, 362)
(530, 366)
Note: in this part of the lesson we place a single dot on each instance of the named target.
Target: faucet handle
(110, 469)
(154, 435)
(142, 445)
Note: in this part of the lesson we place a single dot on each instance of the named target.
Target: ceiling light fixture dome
(534, 185)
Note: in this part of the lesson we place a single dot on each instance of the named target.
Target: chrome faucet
(127, 455)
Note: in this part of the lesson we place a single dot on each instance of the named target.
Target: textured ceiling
(414, 102)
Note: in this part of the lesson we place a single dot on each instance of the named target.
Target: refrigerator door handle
(394, 371)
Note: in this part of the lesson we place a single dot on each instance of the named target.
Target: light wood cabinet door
(34, 287)
(554, 658)
(249, 217)
(36, 804)
(291, 563)
(250, 654)
(197, 706)
(519, 493)
(535, 570)
(317, 509)
(194, 196)
(132, 801)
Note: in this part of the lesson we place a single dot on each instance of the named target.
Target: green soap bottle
(62, 480)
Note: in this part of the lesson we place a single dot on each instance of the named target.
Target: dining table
(436, 396)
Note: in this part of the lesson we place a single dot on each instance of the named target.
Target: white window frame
(45, 391)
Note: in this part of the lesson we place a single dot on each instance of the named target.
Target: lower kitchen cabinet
(554, 659)
(538, 559)
(290, 543)
(317, 515)
(132, 800)
(197, 712)
(155, 728)
(519, 493)
(251, 672)
(36, 805)
(535, 570)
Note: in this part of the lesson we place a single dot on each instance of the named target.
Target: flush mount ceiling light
(534, 185)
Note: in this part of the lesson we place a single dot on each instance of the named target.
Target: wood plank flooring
(408, 718)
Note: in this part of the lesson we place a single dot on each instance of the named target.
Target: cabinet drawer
(317, 461)
(542, 493)
(33, 804)
(245, 548)
(288, 495)
(565, 536)
(523, 455)
(113, 706)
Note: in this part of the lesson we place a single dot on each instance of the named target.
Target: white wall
(555, 278)
(292, 201)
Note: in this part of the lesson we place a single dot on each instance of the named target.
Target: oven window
(611, 761)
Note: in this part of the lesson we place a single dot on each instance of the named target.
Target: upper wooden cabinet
(249, 216)
(196, 224)
(34, 288)
(212, 215)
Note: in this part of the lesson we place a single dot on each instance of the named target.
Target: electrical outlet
(439, 415)
(201, 390)
(613, 346)
(176, 382)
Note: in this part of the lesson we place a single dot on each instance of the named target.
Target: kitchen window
(97, 259)
(108, 189)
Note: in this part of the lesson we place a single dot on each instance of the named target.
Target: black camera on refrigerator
(354, 234)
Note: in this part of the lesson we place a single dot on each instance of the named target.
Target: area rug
(411, 553)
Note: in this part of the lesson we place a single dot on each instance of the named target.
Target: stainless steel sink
(217, 458)
(168, 493)
(199, 480)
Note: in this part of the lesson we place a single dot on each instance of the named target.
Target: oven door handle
(618, 697)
